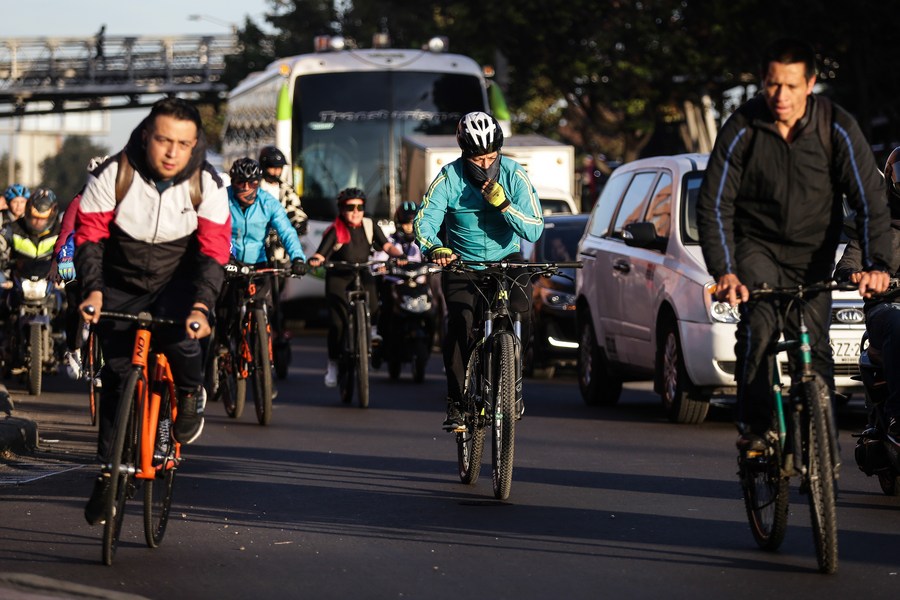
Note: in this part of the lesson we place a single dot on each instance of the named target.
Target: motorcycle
(877, 453)
(407, 327)
(32, 347)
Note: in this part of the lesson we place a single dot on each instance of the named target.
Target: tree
(65, 173)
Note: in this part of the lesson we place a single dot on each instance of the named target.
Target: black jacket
(851, 262)
(761, 189)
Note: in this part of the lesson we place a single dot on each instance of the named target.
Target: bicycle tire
(766, 498)
(820, 478)
(470, 443)
(36, 358)
(92, 359)
(122, 455)
(362, 355)
(261, 373)
(240, 388)
(232, 389)
(158, 491)
(503, 423)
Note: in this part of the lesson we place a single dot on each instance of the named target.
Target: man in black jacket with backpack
(770, 212)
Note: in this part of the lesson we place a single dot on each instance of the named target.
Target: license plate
(844, 352)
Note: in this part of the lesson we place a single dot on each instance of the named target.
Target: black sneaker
(894, 427)
(751, 445)
(96, 505)
(189, 422)
(455, 420)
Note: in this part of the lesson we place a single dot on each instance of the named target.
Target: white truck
(550, 166)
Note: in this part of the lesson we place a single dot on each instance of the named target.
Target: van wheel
(680, 405)
(598, 385)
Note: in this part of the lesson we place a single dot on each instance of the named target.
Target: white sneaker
(73, 365)
(331, 374)
(376, 338)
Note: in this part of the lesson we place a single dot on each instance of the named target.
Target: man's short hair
(787, 51)
(176, 108)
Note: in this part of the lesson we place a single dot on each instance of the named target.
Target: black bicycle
(802, 444)
(492, 394)
(353, 364)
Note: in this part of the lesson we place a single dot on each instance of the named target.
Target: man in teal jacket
(486, 203)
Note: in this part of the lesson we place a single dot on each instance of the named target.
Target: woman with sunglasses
(352, 238)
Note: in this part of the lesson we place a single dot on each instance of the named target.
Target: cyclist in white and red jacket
(160, 247)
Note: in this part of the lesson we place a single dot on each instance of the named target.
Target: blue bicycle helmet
(16, 190)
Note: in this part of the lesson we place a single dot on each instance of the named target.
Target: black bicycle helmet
(405, 213)
(350, 194)
(41, 205)
(245, 169)
(270, 156)
(478, 133)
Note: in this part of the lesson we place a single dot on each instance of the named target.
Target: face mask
(246, 196)
(477, 176)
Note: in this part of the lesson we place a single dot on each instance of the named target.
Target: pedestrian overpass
(67, 74)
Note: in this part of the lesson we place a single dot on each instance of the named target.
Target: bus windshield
(348, 128)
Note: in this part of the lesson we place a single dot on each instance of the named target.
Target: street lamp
(215, 21)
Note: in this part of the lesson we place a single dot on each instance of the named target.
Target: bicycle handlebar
(827, 285)
(356, 266)
(143, 318)
(250, 271)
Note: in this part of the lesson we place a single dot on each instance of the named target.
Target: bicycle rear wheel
(765, 498)
(261, 373)
(122, 459)
(821, 484)
(504, 419)
(158, 491)
(470, 443)
(362, 355)
(90, 360)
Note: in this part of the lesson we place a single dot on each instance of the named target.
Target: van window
(660, 210)
(606, 204)
(633, 204)
(689, 193)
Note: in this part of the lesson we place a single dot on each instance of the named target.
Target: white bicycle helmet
(478, 133)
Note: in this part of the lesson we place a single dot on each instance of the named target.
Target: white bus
(339, 116)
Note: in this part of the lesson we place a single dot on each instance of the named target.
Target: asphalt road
(334, 501)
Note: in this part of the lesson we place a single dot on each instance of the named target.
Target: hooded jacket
(148, 238)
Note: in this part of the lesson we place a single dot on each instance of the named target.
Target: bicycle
(245, 351)
(803, 443)
(353, 364)
(143, 447)
(492, 393)
(91, 361)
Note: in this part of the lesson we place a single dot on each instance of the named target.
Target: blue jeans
(883, 326)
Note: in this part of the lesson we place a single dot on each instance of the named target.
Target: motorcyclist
(14, 199)
(404, 239)
(883, 312)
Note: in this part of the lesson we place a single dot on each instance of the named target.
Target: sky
(83, 18)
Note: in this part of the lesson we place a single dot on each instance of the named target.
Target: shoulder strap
(369, 228)
(124, 177)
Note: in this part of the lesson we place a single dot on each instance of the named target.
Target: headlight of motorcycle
(721, 312)
(416, 304)
(558, 300)
(34, 290)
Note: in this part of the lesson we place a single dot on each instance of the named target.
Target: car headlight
(34, 290)
(721, 312)
(558, 300)
(416, 304)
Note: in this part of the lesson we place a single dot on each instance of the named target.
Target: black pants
(336, 285)
(73, 316)
(232, 297)
(462, 294)
(762, 323)
(117, 342)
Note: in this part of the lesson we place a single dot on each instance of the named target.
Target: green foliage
(65, 172)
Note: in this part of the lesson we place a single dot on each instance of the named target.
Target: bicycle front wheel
(122, 463)
(821, 483)
(504, 416)
(362, 355)
(36, 361)
(470, 443)
(90, 358)
(262, 368)
(765, 498)
(158, 491)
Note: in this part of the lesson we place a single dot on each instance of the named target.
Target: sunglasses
(353, 207)
(246, 184)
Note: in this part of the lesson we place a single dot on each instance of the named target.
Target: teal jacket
(475, 230)
(249, 228)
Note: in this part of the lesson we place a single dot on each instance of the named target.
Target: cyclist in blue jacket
(487, 203)
(253, 213)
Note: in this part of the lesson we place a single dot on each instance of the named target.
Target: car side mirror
(643, 235)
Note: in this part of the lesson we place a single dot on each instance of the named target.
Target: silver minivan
(642, 304)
